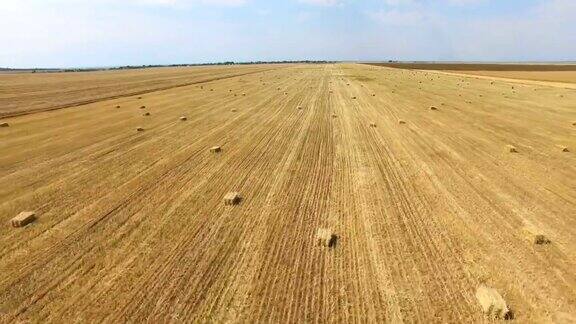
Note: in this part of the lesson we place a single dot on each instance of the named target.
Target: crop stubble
(131, 225)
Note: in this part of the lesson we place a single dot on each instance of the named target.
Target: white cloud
(15, 4)
(465, 2)
(542, 32)
(79, 33)
(112, 32)
(396, 17)
(398, 2)
(326, 3)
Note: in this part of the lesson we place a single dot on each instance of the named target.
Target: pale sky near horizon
(90, 33)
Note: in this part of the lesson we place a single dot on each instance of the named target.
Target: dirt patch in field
(480, 67)
(551, 76)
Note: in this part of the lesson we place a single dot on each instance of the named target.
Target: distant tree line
(130, 67)
(218, 63)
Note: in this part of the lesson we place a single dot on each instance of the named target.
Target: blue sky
(84, 33)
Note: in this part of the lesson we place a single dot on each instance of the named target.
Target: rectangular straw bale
(23, 219)
(232, 198)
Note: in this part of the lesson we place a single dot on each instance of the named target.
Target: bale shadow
(333, 241)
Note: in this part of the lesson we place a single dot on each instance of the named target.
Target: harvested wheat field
(391, 212)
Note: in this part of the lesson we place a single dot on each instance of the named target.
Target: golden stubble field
(131, 225)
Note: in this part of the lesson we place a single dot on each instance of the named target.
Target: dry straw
(23, 219)
(326, 237)
(232, 198)
(541, 240)
(215, 149)
(492, 303)
(511, 149)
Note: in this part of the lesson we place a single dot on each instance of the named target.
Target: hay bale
(117, 106)
(142, 107)
(541, 240)
(233, 110)
(299, 107)
(373, 95)
(532, 234)
(493, 305)
(23, 219)
(326, 237)
(372, 124)
(244, 94)
(433, 108)
(354, 98)
(401, 122)
(232, 198)
(183, 118)
(211, 89)
(4, 124)
(511, 149)
(565, 149)
(139, 97)
(146, 114)
(215, 149)
(139, 129)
